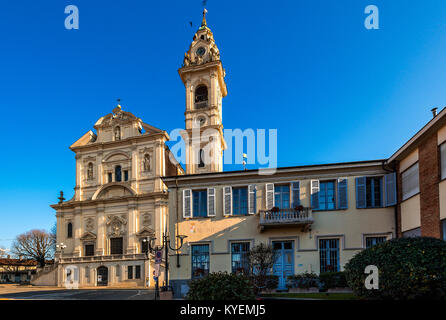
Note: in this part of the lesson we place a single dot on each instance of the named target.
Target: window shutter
(227, 201)
(187, 203)
(342, 193)
(390, 189)
(361, 202)
(295, 191)
(315, 194)
(269, 187)
(252, 199)
(211, 202)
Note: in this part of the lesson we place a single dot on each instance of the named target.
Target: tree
(261, 260)
(3, 252)
(34, 244)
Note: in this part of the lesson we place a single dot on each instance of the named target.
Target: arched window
(201, 157)
(201, 97)
(118, 174)
(70, 230)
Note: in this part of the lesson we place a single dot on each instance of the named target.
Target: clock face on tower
(201, 51)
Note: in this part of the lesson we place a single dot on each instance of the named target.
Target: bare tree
(34, 244)
(261, 260)
(3, 251)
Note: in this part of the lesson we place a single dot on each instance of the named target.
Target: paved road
(107, 294)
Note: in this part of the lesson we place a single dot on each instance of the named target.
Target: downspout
(177, 222)
(397, 202)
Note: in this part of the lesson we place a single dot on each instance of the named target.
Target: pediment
(114, 191)
(146, 232)
(88, 236)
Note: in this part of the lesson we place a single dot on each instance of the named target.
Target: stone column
(131, 227)
(77, 225)
(102, 232)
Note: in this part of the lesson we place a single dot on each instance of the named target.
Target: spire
(203, 23)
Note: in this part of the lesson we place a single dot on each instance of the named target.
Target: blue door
(284, 265)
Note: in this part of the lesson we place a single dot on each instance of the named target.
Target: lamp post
(61, 246)
(166, 246)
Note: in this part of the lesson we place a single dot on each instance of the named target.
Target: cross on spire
(203, 23)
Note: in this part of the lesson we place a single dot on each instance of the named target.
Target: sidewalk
(15, 288)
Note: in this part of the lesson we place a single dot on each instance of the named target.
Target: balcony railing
(286, 218)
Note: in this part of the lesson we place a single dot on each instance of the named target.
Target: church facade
(119, 203)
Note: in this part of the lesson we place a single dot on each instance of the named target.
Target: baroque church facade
(119, 202)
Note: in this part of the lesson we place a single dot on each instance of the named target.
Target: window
(282, 196)
(239, 257)
(70, 230)
(118, 176)
(118, 270)
(89, 250)
(327, 197)
(116, 246)
(329, 255)
(200, 260)
(201, 97)
(126, 175)
(410, 181)
(201, 164)
(239, 201)
(443, 160)
(144, 246)
(372, 241)
(137, 272)
(373, 189)
(110, 177)
(130, 272)
(200, 203)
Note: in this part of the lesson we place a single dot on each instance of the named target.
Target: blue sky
(334, 90)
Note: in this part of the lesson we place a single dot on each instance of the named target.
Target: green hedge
(330, 280)
(409, 268)
(303, 281)
(221, 286)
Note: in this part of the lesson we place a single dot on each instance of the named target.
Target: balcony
(279, 218)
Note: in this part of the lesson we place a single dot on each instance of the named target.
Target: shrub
(221, 286)
(409, 268)
(303, 281)
(271, 282)
(331, 280)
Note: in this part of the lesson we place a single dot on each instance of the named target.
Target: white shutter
(269, 190)
(187, 203)
(252, 199)
(315, 194)
(227, 201)
(211, 202)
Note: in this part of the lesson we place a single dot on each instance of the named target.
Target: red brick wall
(429, 189)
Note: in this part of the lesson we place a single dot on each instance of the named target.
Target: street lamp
(61, 246)
(166, 246)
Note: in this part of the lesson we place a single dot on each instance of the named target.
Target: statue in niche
(90, 171)
(147, 164)
(117, 133)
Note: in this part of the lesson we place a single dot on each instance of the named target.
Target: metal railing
(286, 216)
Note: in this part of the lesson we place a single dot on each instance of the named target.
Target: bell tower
(203, 76)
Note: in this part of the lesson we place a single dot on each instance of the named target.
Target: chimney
(434, 112)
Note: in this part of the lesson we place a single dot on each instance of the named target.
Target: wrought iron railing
(286, 216)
